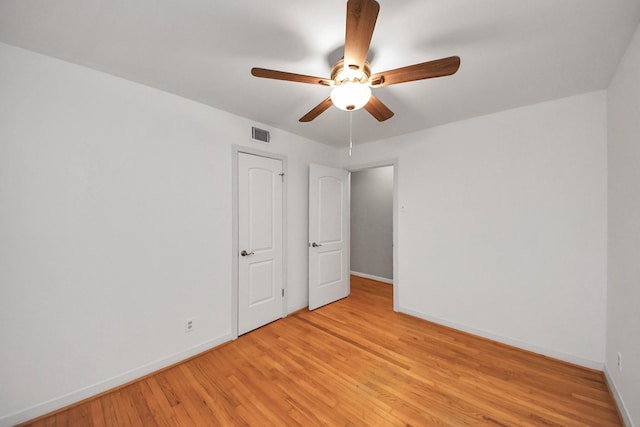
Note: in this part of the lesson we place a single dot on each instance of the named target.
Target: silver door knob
(245, 253)
(316, 245)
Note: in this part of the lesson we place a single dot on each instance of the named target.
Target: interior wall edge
(109, 384)
(622, 408)
(570, 358)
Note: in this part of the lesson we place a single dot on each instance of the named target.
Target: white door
(328, 235)
(260, 283)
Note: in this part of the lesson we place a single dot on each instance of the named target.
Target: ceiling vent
(260, 135)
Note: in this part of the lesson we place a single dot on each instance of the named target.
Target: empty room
(190, 197)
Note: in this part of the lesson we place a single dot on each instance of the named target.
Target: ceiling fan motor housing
(340, 74)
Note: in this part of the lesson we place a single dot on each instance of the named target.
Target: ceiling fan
(351, 77)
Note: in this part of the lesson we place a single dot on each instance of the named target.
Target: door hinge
(283, 292)
(282, 176)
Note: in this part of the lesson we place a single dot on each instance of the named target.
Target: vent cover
(260, 135)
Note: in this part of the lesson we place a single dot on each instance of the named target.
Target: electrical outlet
(619, 362)
(189, 325)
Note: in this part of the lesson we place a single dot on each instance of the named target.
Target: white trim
(626, 417)
(576, 360)
(235, 150)
(234, 241)
(108, 384)
(396, 269)
(297, 307)
(372, 277)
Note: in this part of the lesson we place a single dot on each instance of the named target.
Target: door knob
(245, 253)
(316, 245)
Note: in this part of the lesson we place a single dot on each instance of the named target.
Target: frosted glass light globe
(350, 96)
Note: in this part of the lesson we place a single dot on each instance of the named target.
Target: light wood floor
(356, 362)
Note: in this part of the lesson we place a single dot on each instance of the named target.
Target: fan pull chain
(350, 132)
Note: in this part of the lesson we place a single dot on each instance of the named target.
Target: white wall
(623, 297)
(372, 222)
(115, 226)
(502, 225)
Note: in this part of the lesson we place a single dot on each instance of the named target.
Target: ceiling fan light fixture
(351, 77)
(350, 96)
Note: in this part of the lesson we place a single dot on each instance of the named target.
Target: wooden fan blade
(290, 77)
(377, 109)
(361, 20)
(426, 70)
(317, 110)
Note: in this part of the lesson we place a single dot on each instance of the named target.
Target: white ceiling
(513, 52)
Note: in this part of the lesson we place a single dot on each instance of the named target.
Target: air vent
(260, 135)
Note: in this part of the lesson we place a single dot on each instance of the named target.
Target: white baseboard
(108, 384)
(372, 277)
(296, 307)
(576, 360)
(626, 417)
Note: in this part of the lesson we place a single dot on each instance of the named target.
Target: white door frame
(396, 271)
(235, 150)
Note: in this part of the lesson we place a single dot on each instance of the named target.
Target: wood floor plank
(160, 411)
(356, 363)
(97, 415)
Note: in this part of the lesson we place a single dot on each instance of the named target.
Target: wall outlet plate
(189, 325)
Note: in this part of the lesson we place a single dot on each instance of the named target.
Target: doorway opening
(374, 224)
